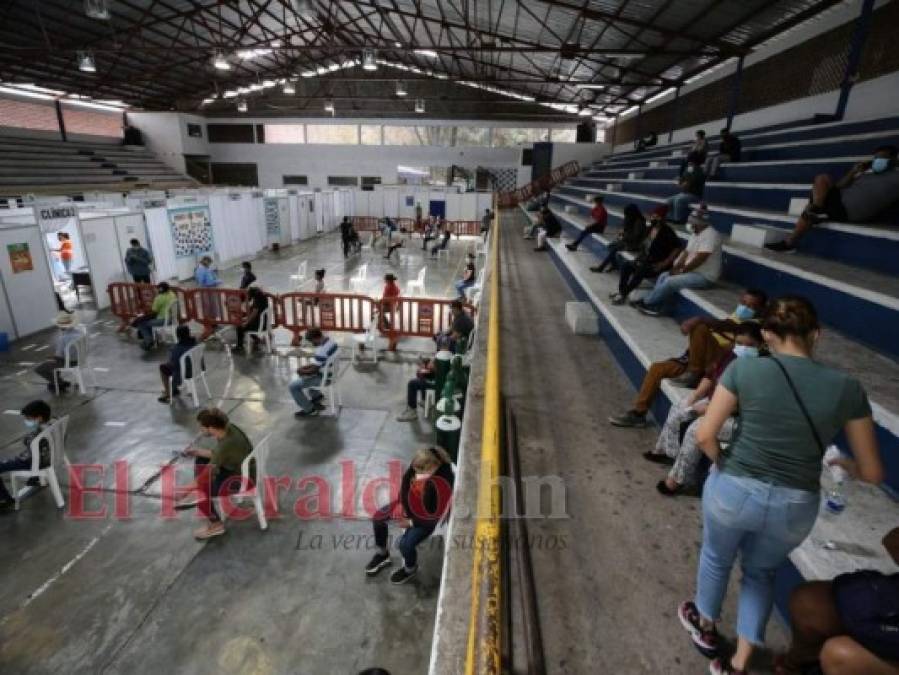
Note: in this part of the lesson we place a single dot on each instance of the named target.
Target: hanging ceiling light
(241, 105)
(401, 89)
(419, 105)
(368, 60)
(289, 88)
(220, 62)
(96, 9)
(329, 106)
(86, 62)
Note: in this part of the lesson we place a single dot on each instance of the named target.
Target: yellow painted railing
(484, 654)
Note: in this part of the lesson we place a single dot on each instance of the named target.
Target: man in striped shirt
(310, 375)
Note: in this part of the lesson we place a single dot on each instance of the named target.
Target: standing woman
(389, 299)
(65, 251)
(206, 277)
(761, 498)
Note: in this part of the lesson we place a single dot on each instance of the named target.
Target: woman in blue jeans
(761, 498)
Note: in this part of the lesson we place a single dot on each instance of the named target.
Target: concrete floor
(141, 595)
(611, 573)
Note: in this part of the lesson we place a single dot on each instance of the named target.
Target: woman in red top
(388, 304)
(600, 219)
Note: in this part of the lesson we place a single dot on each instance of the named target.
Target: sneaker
(687, 380)
(663, 489)
(164, 399)
(781, 247)
(572, 247)
(723, 667)
(706, 641)
(402, 575)
(408, 415)
(377, 563)
(629, 419)
(210, 531)
(648, 310)
(306, 413)
(658, 458)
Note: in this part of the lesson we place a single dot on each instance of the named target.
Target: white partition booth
(400, 202)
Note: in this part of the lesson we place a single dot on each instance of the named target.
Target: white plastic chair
(329, 386)
(161, 334)
(371, 242)
(417, 283)
(366, 341)
(265, 329)
(444, 252)
(75, 363)
(194, 357)
(430, 400)
(254, 492)
(55, 436)
(475, 289)
(357, 282)
(299, 278)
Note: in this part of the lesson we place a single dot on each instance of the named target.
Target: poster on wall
(272, 216)
(191, 231)
(20, 258)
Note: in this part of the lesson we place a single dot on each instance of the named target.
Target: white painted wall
(585, 153)
(162, 132)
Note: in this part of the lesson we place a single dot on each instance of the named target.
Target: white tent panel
(375, 204)
(159, 234)
(104, 258)
(29, 292)
(391, 202)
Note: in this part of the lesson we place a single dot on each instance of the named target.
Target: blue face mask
(880, 164)
(744, 313)
(31, 424)
(745, 350)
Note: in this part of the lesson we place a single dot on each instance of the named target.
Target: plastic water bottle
(835, 499)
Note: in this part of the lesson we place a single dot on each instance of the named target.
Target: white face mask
(689, 227)
(422, 476)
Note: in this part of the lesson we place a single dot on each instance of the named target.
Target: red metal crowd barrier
(547, 182)
(129, 301)
(465, 227)
(329, 311)
(407, 224)
(216, 307)
(417, 317)
(365, 223)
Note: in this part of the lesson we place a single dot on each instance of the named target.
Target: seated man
(691, 184)
(461, 327)
(647, 141)
(469, 277)
(847, 626)
(257, 304)
(36, 416)
(698, 266)
(310, 375)
(418, 385)
(703, 352)
(444, 238)
(728, 151)
(551, 228)
(424, 498)
(172, 367)
(217, 471)
(858, 197)
(663, 246)
(600, 218)
(68, 333)
(145, 323)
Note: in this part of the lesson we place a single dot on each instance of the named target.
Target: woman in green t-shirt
(761, 499)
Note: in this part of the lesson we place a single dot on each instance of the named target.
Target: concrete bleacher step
(849, 299)
(636, 341)
(870, 247)
(857, 144)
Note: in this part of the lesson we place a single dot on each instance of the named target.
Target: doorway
(437, 207)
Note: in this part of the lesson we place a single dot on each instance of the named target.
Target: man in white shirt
(311, 375)
(698, 266)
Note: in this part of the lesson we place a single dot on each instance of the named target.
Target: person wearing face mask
(661, 247)
(761, 497)
(709, 341)
(684, 415)
(217, 471)
(691, 184)
(424, 498)
(36, 416)
(698, 266)
(860, 196)
(710, 338)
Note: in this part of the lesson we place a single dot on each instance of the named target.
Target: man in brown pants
(709, 340)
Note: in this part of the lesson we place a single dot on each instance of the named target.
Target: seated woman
(184, 342)
(685, 454)
(630, 238)
(848, 626)
(469, 276)
(217, 471)
(424, 498)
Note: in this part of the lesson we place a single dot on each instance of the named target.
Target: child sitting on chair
(36, 416)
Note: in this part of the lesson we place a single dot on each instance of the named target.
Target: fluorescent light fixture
(247, 54)
(661, 94)
(242, 106)
(220, 62)
(329, 106)
(96, 9)
(308, 73)
(289, 88)
(588, 85)
(368, 60)
(244, 90)
(92, 104)
(401, 89)
(86, 62)
(275, 44)
(398, 45)
(430, 53)
(419, 105)
(268, 84)
(24, 93)
(255, 87)
(207, 101)
(585, 112)
(231, 93)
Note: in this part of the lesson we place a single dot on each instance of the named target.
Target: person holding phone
(310, 375)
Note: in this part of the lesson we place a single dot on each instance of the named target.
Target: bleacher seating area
(847, 270)
(38, 165)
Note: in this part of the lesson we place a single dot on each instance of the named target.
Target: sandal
(663, 489)
(657, 458)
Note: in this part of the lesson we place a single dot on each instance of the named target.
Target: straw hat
(66, 320)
